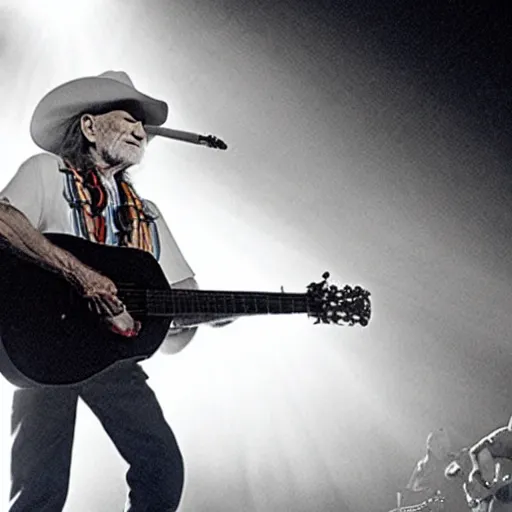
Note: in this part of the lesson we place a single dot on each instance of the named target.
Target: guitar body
(47, 334)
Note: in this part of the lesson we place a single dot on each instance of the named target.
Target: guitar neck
(179, 302)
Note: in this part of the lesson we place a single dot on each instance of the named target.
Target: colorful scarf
(133, 217)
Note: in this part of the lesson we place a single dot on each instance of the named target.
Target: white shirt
(113, 202)
(37, 190)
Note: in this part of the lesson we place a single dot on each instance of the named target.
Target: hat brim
(53, 113)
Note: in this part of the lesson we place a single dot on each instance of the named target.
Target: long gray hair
(76, 148)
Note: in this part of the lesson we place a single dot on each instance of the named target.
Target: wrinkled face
(118, 138)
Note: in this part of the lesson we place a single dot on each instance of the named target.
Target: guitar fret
(198, 302)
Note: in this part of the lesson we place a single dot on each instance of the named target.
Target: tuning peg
(212, 142)
(346, 306)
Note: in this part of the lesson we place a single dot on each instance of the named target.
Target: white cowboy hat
(53, 113)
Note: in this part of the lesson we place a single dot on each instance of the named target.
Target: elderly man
(92, 130)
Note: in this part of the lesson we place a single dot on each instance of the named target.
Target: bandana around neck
(134, 221)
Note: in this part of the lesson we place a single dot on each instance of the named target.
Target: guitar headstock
(345, 306)
(212, 142)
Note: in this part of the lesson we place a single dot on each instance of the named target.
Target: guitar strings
(214, 305)
(179, 293)
(216, 298)
(219, 301)
(208, 293)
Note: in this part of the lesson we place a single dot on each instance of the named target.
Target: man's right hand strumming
(101, 295)
(99, 291)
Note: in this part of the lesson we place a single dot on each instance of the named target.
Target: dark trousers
(43, 422)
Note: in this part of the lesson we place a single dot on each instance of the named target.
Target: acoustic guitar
(49, 337)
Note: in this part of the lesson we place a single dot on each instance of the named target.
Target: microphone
(209, 141)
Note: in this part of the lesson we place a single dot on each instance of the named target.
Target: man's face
(120, 139)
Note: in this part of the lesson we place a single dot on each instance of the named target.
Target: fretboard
(196, 302)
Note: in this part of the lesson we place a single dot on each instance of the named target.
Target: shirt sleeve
(171, 259)
(26, 190)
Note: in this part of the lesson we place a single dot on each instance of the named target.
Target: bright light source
(56, 14)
